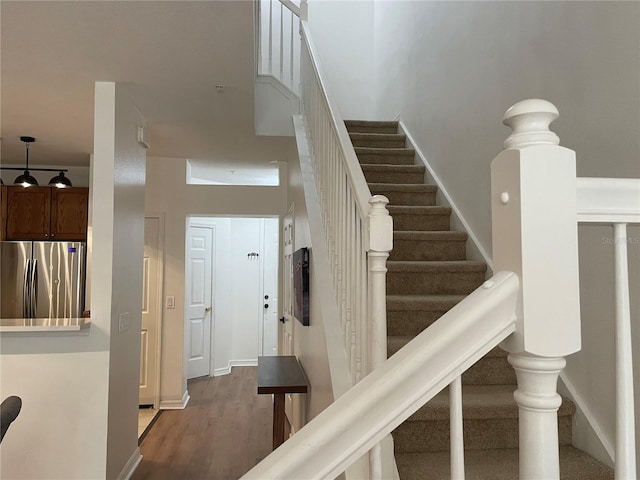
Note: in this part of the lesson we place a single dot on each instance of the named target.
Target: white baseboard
(475, 250)
(176, 404)
(593, 439)
(131, 465)
(251, 362)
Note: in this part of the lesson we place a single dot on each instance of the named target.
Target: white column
(380, 244)
(534, 210)
(538, 404)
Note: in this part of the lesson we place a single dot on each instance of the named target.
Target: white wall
(167, 192)
(343, 34)
(79, 414)
(124, 174)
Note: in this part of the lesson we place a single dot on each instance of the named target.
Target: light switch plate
(123, 322)
(171, 301)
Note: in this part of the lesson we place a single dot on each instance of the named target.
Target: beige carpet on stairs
(428, 273)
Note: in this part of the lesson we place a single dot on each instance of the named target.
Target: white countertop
(32, 325)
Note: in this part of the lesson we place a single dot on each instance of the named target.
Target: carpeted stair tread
(436, 266)
(418, 194)
(423, 302)
(395, 343)
(411, 314)
(403, 187)
(388, 156)
(378, 140)
(443, 235)
(480, 402)
(371, 126)
(373, 167)
(499, 464)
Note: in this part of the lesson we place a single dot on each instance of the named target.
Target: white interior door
(270, 287)
(151, 310)
(198, 295)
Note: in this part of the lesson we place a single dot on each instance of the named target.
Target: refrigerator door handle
(34, 288)
(26, 290)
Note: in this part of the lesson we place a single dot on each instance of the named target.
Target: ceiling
(169, 55)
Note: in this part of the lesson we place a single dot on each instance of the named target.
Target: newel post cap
(380, 225)
(530, 120)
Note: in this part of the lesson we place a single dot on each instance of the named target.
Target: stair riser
(388, 159)
(433, 283)
(420, 222)
(479, 434)
(393, 177)
(378, 143)
(364, 127)
(422, 199)
(407, 322)
(428, 250)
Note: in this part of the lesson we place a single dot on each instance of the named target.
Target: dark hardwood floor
(224, 431)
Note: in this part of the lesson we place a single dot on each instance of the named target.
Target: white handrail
(370, 410)
(608, 200)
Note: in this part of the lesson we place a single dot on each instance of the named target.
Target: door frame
(160, 305)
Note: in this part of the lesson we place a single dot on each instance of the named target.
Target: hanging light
(60, 181)
(26, 180)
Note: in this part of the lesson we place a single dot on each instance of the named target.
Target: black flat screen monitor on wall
(301, 285)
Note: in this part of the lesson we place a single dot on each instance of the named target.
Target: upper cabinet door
(28, 213)
(69, 212)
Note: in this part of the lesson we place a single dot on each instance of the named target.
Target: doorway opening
(231, 292)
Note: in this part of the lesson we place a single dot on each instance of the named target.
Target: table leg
(278, 419)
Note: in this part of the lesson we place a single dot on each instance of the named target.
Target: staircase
(428, 273)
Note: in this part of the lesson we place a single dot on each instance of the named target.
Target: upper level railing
(279, 41)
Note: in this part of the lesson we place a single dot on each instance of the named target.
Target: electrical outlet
(123, 322)
(170, 301)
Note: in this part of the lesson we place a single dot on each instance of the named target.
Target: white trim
(251, 362)
(596, 430)
(131, 465)
(176, 404)
(160, 292)
(474, 248)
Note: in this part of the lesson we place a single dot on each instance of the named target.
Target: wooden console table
(279, 375)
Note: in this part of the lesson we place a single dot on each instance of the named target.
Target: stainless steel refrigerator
(42, 279)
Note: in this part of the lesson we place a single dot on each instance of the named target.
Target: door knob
(207, 309)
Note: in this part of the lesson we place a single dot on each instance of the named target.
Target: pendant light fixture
(60, 181)
(26, 180)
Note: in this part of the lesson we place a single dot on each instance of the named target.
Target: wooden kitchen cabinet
(69, 213)
(45, 213)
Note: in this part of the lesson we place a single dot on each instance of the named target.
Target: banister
(608, 200)
(356, 177)
(375, 406)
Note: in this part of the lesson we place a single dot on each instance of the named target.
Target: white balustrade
(616, 202)
(279, 41)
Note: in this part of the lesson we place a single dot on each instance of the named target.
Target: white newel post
(533, 201)
(380, 244)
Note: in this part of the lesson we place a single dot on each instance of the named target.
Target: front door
(198, 300)
(150, 312)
